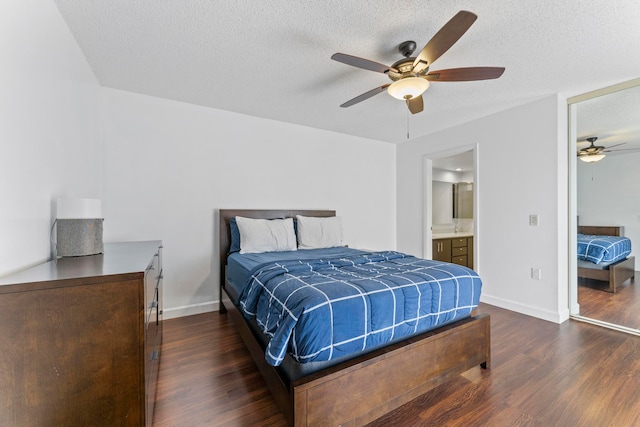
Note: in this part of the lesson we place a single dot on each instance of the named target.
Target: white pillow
(315, 232)
(266, 235)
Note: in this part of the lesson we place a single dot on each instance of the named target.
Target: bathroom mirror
(452, 201)
(442, 209)
(462, 200)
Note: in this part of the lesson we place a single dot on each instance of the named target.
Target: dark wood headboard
(600, 230)
(225, 231)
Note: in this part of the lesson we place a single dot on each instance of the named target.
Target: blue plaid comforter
(326, 308)
(599, 249)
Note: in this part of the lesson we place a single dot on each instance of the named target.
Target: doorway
(450, 206)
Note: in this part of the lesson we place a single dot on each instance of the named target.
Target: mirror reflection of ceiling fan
(411, 75)
(594, 153)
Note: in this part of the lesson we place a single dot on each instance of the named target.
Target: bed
(358, 388)
(596, 265)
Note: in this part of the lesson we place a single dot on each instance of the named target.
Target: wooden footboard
(621, 272)
(358, 391)
(616, 275)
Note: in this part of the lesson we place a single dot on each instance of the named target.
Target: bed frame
(360, 390)
(617, 273)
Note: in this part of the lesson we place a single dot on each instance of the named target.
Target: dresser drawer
(460, 260)
(153, 361)
(458, 251)
(151, 278)
(152, 309)
(457, 243)
(150, 336)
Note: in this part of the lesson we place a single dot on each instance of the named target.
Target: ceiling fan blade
(365, 95)
(465, 74)
(361, 62)
(621, 149)
(614, 145)
(444, 39)
(415, 105)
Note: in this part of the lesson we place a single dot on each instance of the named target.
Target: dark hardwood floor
(207, 377)
(621, 308)
(542, 374)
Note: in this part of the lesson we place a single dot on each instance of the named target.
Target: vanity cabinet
(80, 339)
(442, 250)
(457, 250)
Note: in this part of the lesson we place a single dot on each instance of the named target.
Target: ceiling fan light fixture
(408, 88)
(590, 158)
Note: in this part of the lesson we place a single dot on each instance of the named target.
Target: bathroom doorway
(450, 208)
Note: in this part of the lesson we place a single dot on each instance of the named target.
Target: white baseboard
(188, 310)
(551, 316)
(206, 307)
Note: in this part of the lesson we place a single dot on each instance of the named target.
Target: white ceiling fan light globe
(408, 88)
(590, 158)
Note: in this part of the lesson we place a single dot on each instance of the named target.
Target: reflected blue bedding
(603, 249)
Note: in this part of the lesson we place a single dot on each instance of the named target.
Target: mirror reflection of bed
(606, 276)
(606, 195)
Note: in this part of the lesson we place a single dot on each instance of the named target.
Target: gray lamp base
(79, 237)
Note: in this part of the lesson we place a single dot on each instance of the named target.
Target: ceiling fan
(593, 153)
(411, 75)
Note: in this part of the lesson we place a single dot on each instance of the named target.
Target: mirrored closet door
(604, 139)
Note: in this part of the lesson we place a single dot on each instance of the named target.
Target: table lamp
(79, 227)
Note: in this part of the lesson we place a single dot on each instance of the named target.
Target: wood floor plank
(207, 377)
(542, 374)
(621, 308)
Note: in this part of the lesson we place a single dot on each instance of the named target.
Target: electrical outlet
(536, 273)
(533, 220)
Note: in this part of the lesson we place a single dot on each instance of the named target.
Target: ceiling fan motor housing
(407, 48)
(404, 66)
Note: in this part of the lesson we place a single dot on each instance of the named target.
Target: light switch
(533, 220)
(536, 273)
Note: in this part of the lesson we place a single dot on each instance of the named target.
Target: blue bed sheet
(603, 249)
(240, 266)
(327, 308)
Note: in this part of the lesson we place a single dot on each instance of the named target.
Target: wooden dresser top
(118, 259)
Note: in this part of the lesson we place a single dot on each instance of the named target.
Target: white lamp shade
(79, 208)
(407, 88)
(590, 158)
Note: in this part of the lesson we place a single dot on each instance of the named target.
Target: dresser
(80, 339)
(457, 250)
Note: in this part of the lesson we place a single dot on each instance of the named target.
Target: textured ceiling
(613, 118)
(271, 59)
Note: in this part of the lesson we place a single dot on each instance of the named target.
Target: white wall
(49, 130)
(170, 166)
(608, 194)
(513, 181)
